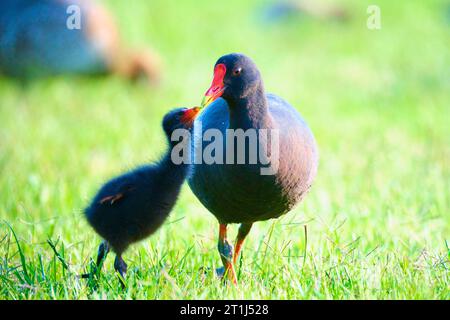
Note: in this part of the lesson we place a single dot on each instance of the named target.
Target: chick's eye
(237, 71)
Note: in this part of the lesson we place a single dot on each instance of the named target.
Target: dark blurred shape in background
(322, 10)
(447, 12)
(42, 38)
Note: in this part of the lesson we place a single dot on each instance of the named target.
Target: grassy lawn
(378, 215)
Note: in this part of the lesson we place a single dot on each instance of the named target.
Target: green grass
(377, 218)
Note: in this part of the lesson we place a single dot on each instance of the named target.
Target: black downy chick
(131, 207)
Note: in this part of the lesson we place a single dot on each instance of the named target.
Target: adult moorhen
(132, 206)
(50, 37)
(239, 193)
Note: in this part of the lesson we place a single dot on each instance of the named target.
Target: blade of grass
(57, 254)
(22, 256)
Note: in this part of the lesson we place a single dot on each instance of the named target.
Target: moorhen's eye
(237, 71)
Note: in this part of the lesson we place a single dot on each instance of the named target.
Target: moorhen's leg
(121, 268)
(103, 250)
(244, 229)
(226, 253)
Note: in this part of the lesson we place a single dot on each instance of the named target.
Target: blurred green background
(378, 215)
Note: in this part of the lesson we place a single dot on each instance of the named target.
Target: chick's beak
(189, 116)
(217, 87)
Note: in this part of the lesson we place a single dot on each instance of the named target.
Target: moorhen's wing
(122, 192)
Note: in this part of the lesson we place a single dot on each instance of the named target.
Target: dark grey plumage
(239, 193)
(134, 205)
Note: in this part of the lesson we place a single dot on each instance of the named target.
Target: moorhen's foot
(226, 252)
(103, 251)
(220, 272)
(91, 274)
(121, 267)
(91, 277)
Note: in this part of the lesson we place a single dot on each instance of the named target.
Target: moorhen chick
(134, 205)
(239, 193)
(41, 38)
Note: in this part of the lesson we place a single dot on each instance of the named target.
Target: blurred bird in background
(37, 40)
(280, 10)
